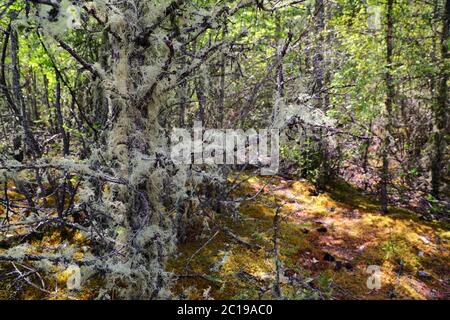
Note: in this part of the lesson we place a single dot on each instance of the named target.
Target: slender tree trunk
(389, 103)
(318, 66)
(279, 76)
(36, 114)
(60, 119)
(222, 79)
(319, 74)
(199, 86)
(182, 98)
(366, 159)
(29, 140)
(440, 110)
(182, 90)
(48, 105)
(201, 97)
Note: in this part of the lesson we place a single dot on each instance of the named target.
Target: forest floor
(325, 244)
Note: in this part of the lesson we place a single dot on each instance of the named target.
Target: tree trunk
(440, 110)
(389, 103)
(222, 71)
(59, 118)
(29, 140)
(137, 151)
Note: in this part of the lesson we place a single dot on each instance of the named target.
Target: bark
(46, 102)
(29, 139)
(60, 119)
(280, 74)
(365, 163)
(318, 66)
(319, 94)
(390, 93)
(3, 82)
(221, 106)
(201, 98)
(36, 113)
(440, 110)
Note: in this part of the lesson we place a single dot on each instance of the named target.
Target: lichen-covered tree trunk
(136, 151)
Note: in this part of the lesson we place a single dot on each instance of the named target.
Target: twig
(199, 249)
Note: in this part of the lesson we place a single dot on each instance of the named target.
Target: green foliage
(306, 160)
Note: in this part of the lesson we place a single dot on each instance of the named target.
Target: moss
(356, 233)
(400, 243)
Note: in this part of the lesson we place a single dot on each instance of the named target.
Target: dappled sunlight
(333, 236)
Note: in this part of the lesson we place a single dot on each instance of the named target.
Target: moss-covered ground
(326, 243)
